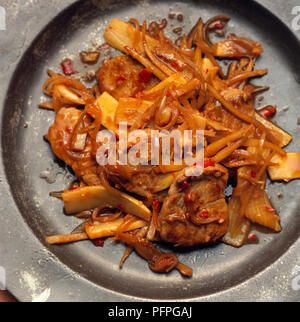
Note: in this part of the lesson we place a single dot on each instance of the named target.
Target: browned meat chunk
(158, 261)
(60, 137)
(195, 211)
(141, 180)
(121, 78)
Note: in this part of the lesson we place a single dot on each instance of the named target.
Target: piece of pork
(120, 77)
(195, 211)
(141, 180)
(60, 137)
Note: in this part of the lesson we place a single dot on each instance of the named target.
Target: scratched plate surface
(39, 35)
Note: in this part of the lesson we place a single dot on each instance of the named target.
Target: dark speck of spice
(25, 126)
(177, 30)
(220, 33)
(172, 15)
(180, 17)
(90, 76)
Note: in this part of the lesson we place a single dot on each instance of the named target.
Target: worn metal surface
(39, 35)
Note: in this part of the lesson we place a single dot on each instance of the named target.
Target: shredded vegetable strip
(47, 105)
(213, 148)
(266, 144)
(184, 270)
(144, 61)
(158, 63)
(141, 233)
(260, 211)
(126, 254)
(246, 75)
(239, 226)
(228, 150)
(64, 239)
(258, 177)
(244, 117)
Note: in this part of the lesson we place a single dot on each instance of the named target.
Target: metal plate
(39, 35)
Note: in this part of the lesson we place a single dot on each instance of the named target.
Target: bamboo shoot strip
(86, 198)
(64, 239)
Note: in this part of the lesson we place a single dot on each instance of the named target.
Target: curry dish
(157, 84)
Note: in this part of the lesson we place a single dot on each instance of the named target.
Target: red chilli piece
(204, 214)
(187, 198)
(209, 163)
(268, 111)
(122, 78)
(252, 237)
(185, 185)
(99, 242)
(145, 76)
(270, 209)
(174, 64)
(216, 25)
(253, 174)
(103, 46)
(156, 205)
(163, 24)
(67, 67)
